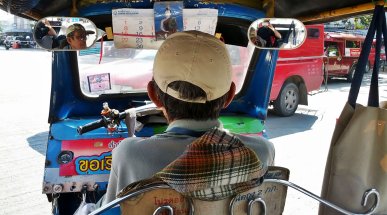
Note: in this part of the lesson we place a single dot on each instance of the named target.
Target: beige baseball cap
(195, 57)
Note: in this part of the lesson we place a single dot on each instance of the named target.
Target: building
(15, 26)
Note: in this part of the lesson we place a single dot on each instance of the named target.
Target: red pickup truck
(298, 72)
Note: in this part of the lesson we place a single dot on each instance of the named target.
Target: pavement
(24, 101)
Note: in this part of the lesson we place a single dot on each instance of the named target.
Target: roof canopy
(308, 11)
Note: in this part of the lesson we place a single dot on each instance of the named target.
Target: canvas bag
(357, 158)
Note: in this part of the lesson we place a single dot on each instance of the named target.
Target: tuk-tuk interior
(73, 102)
(75, 162)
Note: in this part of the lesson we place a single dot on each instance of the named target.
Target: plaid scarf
(215, 166)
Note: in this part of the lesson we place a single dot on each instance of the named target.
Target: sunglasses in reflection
(79, 37)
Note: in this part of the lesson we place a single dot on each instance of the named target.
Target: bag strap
(373, 97)
(378, 24)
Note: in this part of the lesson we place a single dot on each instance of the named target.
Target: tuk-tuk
(83, 81)
(343, 50)
(112, 72)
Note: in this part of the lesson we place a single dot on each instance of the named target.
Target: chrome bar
(135, 193)
(331, 205)
(249, 206)
(130, 195)
(251, 203)
(162, 208)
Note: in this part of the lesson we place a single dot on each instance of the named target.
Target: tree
(359, 22)
(365, 20)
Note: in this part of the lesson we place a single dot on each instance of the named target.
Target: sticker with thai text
(90, 156)
(99, 82)
(87, 165)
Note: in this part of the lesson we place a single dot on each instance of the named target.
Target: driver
(76, 36)
(191, 84)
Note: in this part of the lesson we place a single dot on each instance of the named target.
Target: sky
(4, 15)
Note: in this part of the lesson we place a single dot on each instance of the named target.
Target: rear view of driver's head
(192, 75)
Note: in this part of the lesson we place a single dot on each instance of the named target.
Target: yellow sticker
(109, 33)
(98, 144)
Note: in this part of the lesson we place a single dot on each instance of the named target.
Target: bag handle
(378, 24)
(373, 97)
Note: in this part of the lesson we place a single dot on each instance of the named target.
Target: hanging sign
(144, 28)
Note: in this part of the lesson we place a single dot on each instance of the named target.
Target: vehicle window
(313, 33)
(130, 70)
(332, 51)
(352, 44)
(234, 55)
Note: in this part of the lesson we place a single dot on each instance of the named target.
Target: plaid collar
(215, 166)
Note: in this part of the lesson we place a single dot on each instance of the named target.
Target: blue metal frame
(225, 10)
(67, 100)
(69, 108)
(255, 99)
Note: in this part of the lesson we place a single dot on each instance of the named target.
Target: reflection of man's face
(77, 40)
(265, 24)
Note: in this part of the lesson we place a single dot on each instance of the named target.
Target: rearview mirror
(276, 33)
(65, 33)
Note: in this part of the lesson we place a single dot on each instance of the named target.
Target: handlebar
(148, 109)
(91, 126)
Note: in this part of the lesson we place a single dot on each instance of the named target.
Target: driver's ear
(230, 95)
(152, 94)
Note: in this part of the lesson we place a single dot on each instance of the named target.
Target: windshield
(130, 70)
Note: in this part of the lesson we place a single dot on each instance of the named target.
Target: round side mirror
(65, 33)
(276, 33)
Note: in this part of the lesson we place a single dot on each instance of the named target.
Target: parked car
(23, 42)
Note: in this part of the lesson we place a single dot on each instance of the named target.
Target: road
(301, 141)
(24, 101)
